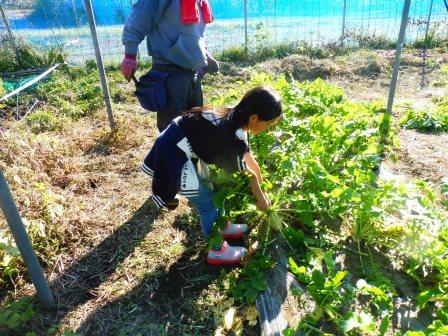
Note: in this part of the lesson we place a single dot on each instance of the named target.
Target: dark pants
(183, 92)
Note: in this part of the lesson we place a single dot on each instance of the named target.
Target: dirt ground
(127, 270)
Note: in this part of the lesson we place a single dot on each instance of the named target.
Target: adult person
(175, 39)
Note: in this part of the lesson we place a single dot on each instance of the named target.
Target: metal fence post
(8, 29)
(246, 39)
(99, 61)
(23, 243)
(401, 35)
(344, 13)
(429, 20)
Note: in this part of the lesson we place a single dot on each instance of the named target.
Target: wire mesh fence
(63, 23)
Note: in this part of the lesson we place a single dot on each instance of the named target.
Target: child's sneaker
(173, 204)
(228, 255)
(234, 231)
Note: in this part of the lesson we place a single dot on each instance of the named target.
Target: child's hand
(267, 198)
(263, 203)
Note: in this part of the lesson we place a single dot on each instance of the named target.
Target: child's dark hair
(262, 101)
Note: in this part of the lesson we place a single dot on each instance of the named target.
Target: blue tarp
(70, 13)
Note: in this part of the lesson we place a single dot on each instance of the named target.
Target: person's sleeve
(233, 161)
(144, 14)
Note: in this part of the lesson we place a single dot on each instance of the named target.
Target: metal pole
(246, 39)
(23, 243)
(99, 61)
(428, 22)
(344, 12)
(393, 82)
(8, 28)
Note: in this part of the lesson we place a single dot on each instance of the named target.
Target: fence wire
(63, 23)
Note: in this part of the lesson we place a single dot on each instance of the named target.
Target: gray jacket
(169, 40)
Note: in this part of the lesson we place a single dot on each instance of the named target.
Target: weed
(426, 120)
(76, 95)
(359, 38)
(260, 49)
(251, 279)
(43, 121)
(432, 40)
(15, 314)
(26, 56)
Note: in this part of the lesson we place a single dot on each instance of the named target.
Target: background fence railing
(63, 23)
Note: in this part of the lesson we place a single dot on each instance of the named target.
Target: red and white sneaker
(234, 231)
(228, 255)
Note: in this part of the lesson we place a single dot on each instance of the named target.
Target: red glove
(129, 66)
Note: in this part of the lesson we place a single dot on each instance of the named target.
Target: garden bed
(118, 268)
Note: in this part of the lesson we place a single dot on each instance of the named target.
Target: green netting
(12, 84)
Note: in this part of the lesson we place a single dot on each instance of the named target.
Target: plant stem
(360, 258)
(371, 259)
(349, 249)
(354, 251)
(309, 326)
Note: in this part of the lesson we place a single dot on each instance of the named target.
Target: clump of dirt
(301, 67)
(364, 63)
(230, 70)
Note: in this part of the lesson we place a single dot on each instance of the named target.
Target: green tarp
(9, 85)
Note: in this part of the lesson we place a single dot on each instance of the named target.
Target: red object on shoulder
(207, 11)
(189, 11)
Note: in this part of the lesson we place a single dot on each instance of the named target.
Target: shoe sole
(233, 235)
(223, 262)
(171, 205)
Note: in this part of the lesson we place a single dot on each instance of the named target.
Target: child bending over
(213, 136)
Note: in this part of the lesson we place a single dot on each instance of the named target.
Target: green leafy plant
(44, 121)
(432, 120)
(16, 314)
(10, 261)
(251, 279)
(444, 190)
(319, 164)
(75, 94)
(381, 301)
(26, 56)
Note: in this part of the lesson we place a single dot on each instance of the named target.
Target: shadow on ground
(77, 284)
(165, 302)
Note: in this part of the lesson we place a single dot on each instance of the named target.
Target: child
(214, 136)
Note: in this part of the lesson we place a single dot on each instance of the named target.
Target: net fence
(63, 23)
